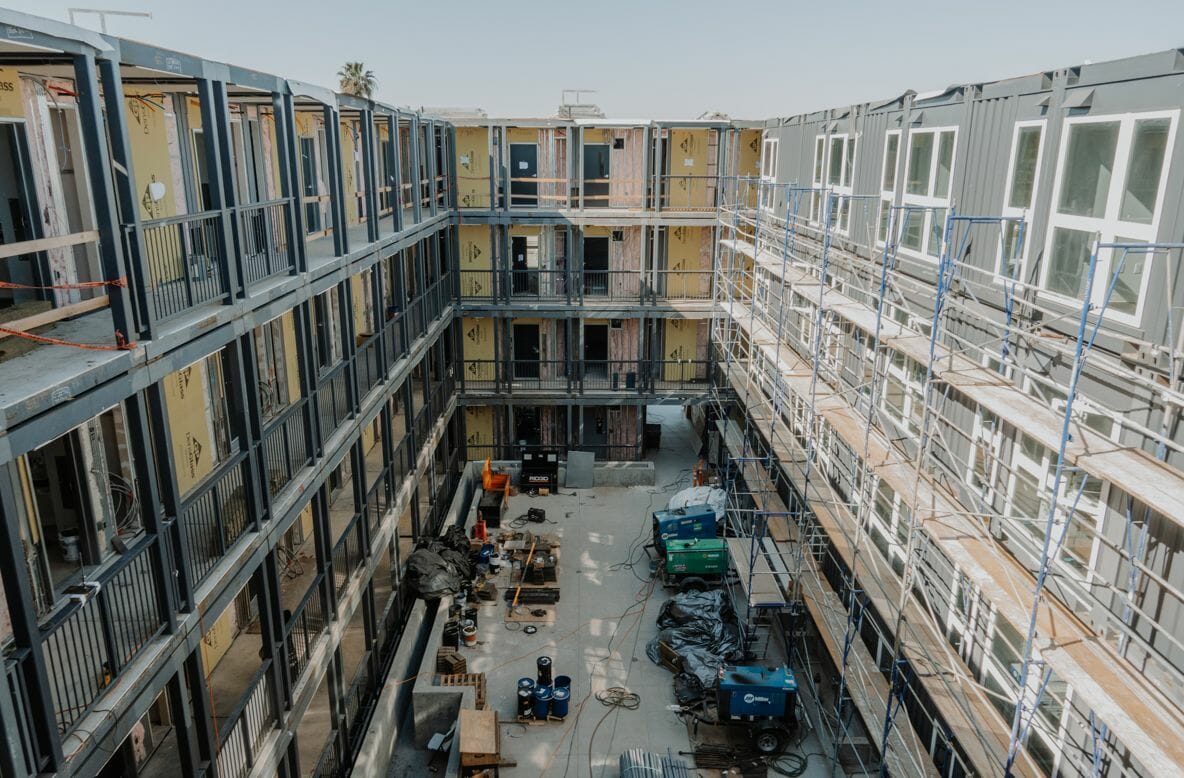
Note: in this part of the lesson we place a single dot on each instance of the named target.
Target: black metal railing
(215, 516)
(611, 284)
(358, 698)
(393, 341)
(379, 500)
(29, 756)
(333, 401)
(586, 375)
(369, 359)
(285, 447)
(348, 555)
(331, 760)
(242, 736)
(100, 630)
(265, 243)
(683, 285)
(186, 261)
(307, 624)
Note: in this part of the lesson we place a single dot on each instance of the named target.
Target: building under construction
(258, 338)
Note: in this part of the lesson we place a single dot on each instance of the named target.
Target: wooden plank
(53, 315)
(764, 592)
(1133, 708)
(45, 244)
(479, 737)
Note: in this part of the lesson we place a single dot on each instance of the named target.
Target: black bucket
(471, 615)
(544, 667)
(451, 635)
(525, 702)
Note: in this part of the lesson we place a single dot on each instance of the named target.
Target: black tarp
(701, 628)
(440, 566)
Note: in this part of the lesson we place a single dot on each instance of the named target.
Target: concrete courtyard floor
(605, 617)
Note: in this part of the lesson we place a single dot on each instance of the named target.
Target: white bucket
(69, 541)
(469, 633)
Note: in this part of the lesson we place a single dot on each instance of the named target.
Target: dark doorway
(596, 351)
(18, 218)
(524, 167)
(595, 266)
(595, 429)
(526, 426)
(526, 350)
(596, 174)
(524, 264)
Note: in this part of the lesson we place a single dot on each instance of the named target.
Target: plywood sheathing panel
(626, 168)
(479, 425)
(52, 213)
(472, 167)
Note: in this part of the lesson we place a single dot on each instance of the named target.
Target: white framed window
(888, 182)
(834, 169)
(903, 395)
(769, 150)
(1111, 175)
(927, 180)
(1023, 170)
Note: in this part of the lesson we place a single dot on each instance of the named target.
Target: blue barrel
(526, 683)
(562, 681)
(486, 553)
(559, 702)
(542, 702)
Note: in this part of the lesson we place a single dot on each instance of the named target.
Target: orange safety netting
(121, 343)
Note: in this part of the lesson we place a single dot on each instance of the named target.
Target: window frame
(1110, 226)
(770, 150)
(929, 200)
(888, 196)
(1009, 210)
(845, 189)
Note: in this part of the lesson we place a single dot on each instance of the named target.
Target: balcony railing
(100, 631)
(612, 284)
(243, 733)
(215, 516)
(285, 447)
(538, 375)
(186, 262)
(348, 555)
(378, 501)
(331, 760)
(267, 248)
(306, 625)
(369, 359)
(333, 402)
(29, 757)
(683, 285)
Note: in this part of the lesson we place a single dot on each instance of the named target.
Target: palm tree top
(356, 80)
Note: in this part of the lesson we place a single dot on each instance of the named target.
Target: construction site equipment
(765, 698)
(636, 763)
(695, 565)
(693, 521)
(536, 595)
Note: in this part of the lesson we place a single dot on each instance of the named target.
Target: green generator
(698, 556)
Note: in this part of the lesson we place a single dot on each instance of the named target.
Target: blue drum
(526, 683)
(542, 702)
(560, 701)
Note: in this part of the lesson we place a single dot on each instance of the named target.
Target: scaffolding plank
(757, 581)
(1130, 704)
(1133, 470)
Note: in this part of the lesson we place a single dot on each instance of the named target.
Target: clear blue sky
(657, 59)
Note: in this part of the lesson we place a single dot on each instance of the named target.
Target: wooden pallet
(450, 662)
(476, 680)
